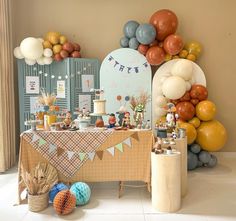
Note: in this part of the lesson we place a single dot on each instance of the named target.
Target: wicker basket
(38, 202)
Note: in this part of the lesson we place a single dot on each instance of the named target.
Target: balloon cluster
(200, 158)
(195, 112)
(157, 39)
(43, 51)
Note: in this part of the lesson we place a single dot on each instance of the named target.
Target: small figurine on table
(67, 121)
(112, 121)
(126, 120)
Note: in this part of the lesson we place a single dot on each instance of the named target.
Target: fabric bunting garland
(35, 138)
(41, 142)
(82, 156)
(111, 150)
(100, 154)
(91, 155)
(70, 154)
(52, 148)
(119, 147)
(127, 142)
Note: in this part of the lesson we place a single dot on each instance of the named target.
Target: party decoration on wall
(125, 73)
(82, 193)
(56, 189)
(157, 40)
(43, 51)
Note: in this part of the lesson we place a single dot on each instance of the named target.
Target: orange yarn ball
(64, 202)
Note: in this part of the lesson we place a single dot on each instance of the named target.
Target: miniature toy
(112, 121)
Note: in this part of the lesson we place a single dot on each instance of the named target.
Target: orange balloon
(195, 122)
(155, 55)
(173, 44)
(206, 110)
(165, 21)
(143, 49)
(190, 131)
(185, 110)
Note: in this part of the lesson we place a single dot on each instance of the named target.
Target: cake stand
(33, 123)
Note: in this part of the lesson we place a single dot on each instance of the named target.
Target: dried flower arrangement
(41, 179)
(140, 101)
(47, 99)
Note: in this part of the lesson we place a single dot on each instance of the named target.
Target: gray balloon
(213, 161)
(204, 156)
(192, 161)
(124, 42)
(146, 34)
(129, 29)
(195, 148)
(133, 43)
(199, 163)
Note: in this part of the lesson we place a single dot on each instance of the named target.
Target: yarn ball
(64, 202)
(56, 189)
(82, 193)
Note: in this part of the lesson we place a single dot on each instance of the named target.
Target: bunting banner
(70, 154)
(35, 138)
(82, 156)
(119, 147)
(91, 155)
(135, 136)
(41, 142)
(127, 142)
(60, 151)
(100, 154)
(111, 150)
(52, 148)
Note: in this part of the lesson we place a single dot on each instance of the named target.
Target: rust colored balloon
(173, 44)
(194, 101)
(57, 57)
(155, 55)
(68, 46)
(198, 92)
(154, 43)
(75, 54)
(143, 49)
(64, 53)
(185, 110)
(165, 22)
(76, 47)
(185, 97)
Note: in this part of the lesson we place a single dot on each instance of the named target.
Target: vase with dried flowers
(138, 105)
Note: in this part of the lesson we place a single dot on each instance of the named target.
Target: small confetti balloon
(126, 98)
(118, 97)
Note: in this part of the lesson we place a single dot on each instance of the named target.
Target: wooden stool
(166, 181)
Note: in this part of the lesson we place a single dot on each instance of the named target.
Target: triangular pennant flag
(128, 142)
(91, 155)
(120, 147)
(35, 138)
(82, 156)
(41, 141)
(70, 154)
(60, 151)
(111, 150)
(100, 154)
(135, 136)
(52, 147)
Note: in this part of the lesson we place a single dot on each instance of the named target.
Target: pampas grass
(143, 99)
(46, 98)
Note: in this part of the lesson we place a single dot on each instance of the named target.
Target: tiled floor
(211, 197)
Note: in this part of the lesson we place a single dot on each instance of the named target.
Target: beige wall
(97, 26)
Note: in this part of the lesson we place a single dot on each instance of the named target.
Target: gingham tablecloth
(58, 144)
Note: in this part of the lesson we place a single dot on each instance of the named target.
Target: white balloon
(17, 53)
(192, 80)
(30, 61)
(40, 60)
(161, 101)
(162, 79)
(31, 48)
(188, 85)
(47, 60)
(159, 91)
(47, 52)
(183, 68)
(41, 40)
(159, 111)
(174, 87)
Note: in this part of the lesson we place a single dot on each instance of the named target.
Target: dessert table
(89, 155)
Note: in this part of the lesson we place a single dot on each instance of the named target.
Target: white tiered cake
(99, 107)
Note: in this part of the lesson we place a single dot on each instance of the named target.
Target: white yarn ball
(47, 52)
(183, 68)
(31, 48)
(174, 87)
(30, 61)
(17, 53)
(161, 101)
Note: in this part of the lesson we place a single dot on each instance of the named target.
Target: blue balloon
(204, 156)
(126, 98)
(146, 34)
(213, 161)
(124, 42)
(56, 189)
(192, 161)
(195, 148)
(130, 29)
(133, 43)
(199, 163)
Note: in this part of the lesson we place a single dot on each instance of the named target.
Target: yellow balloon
(206, 110)
(195, 122)
(194, 48)
(190, 131)
(211, 135)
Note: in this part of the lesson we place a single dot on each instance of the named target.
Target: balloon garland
(43, 51)
(157, 40)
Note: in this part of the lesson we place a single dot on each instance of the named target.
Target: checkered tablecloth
(65, 142)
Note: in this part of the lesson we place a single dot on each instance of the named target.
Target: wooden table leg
(121, 188)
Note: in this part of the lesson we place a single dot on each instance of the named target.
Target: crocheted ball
(56, 189)
(82, 193)
(64, 202)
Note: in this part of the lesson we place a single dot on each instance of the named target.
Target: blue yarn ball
(56, 189)
(82, 193)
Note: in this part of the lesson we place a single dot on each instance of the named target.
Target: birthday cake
(99, 106)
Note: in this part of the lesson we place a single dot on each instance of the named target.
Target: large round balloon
(206, 110)
(145, 34)
(173, 44)
(198, 92)
(192, 161)
(211, 135)
(183, 68)
(165, 22)
(185, 110)
(31, 48)
(190, 131)
(133, 43)
(194, 48)
(174, 87)
(130, 29)
(124, 42)
(155, 55)
(143, 49)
